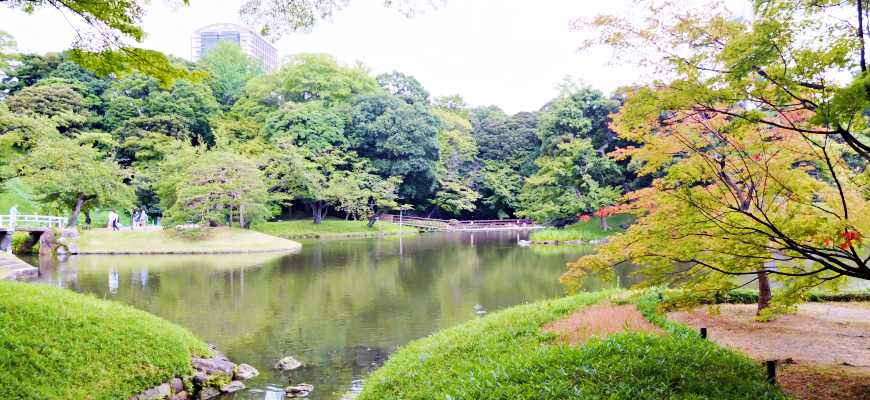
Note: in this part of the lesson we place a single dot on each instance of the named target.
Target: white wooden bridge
(431, 224)
(34, 225)
(30, 223)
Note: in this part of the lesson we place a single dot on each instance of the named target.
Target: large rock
(177, 385)
(156, 393)
(300, 390)
(213, 366)
(208, 393)
(288, 364)
(244, 372)
(232, 387)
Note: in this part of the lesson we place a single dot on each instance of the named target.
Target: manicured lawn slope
(218, 240)
(306, 229)
(505, 356)
(589, 230)
(56, 344)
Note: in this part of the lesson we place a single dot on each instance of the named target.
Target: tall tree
(578, 113)
(765, 155)
(576, 180)
(309, 77)
(405, 87)
(59, 102)
(229, 71)
(220, 188)
(74, 178)
(400, 139)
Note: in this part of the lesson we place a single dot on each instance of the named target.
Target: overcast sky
(510, 53)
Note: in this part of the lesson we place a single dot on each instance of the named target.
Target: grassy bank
(306, 229)
(581, 231)
(57, 344)
(506, 356)
(217, 240)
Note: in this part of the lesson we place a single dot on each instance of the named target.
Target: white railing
(31, 221)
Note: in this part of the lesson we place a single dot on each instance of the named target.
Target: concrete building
(249, 41)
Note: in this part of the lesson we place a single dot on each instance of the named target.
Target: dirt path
(824, 348)
(599, 320)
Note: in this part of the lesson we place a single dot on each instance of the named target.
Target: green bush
(57, 344)
(506, 356)
(673, 299)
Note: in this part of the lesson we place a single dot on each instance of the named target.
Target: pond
(340, 307)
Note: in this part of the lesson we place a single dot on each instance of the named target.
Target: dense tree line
(232, 144)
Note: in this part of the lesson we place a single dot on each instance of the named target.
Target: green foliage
(54, 337)
(505, 356)
(578, 113)
(403, 86)
(229, 71)
(220, 187)
(311, 125)
(58, 102)
(306, 77)
(7, 44)
(400, 140)
(572, 182)
(758, 157)
(71, 177)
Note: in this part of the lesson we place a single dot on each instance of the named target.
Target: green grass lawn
(589, 230)
(506, 356)
(57, 344)
(218, 240)
(306, 229)
(15, 192)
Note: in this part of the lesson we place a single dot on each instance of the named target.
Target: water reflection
(340, 307)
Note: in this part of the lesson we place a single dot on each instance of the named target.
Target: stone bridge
(40, 229)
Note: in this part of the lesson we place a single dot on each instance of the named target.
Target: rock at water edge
(244, 372)
(288, 364)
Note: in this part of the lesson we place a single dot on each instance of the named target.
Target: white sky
(510, 53)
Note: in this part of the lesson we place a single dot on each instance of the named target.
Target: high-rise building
(249, 41)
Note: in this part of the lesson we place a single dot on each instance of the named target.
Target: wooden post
(703, 333)
(771, 371)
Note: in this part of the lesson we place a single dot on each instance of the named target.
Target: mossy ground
(331, 228)
(57, 344)
(507, 356)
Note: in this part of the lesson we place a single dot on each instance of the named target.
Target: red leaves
(849, 238)
(585, 217)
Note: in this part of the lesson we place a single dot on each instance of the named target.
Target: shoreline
(184, 252)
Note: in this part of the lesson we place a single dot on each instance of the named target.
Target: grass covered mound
(167, 241)
(57, 344)
(506, 356)
(306, 229)
(585, 231)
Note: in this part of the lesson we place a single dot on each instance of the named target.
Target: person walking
(113, 221)
(13, 216)
(143, 218)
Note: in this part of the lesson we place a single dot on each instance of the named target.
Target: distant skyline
(508, 53)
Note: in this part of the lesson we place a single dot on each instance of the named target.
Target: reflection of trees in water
(341, 306)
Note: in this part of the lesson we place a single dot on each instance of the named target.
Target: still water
(340, 307)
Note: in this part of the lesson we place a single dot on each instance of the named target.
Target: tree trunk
(242, 216)
(764, 294)
(74, 218)
(603, 222)
(318, 209)
(374, 218)
(432, 211)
